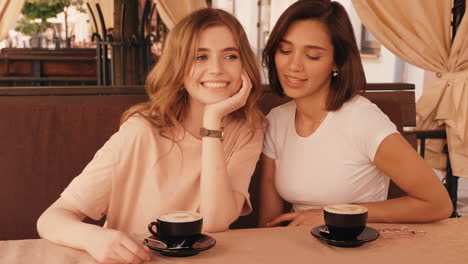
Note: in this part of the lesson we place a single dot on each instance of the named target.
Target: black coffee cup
(177, 225)
(345, 221)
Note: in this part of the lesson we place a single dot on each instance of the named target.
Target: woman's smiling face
(304, 59)
(216, 72)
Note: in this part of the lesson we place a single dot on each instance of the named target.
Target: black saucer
(185, 248)
(369, 234)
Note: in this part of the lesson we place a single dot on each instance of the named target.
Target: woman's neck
(310, 113)
(312, 108)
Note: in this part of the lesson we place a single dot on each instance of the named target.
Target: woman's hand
(313, 217)
(113, 246)
(221, 109)
(62, 224)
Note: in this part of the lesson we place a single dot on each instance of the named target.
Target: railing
(139, 46)
(451, 181)
(46, 81)
(43, 67)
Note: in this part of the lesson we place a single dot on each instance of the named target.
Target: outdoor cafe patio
(57, 107)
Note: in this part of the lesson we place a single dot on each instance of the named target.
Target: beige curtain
(419, 32)
(172, 11)
(107, 8)
(9, 12)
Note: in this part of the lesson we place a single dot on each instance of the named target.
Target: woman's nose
(215, 66)
(295, 63)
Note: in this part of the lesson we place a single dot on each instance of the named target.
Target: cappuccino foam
(345, 209)
(179, 217)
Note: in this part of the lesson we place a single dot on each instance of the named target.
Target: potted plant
(34, 20)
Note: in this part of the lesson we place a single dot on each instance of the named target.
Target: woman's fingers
(234, 102)
(240, 98)
(113, 246)
(309, 217)
(125, 255)
(296, 221)
(137, 252)
(283, 218)
(246, 82)
(248, 86)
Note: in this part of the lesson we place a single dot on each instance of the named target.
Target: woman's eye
(284, 51)
(313, 57)
(231, 57)
(201, 57)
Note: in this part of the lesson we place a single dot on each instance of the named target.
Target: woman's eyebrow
(308, 47)
(231, 49)
(225, 49)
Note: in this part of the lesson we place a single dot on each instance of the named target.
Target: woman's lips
(294, 81)
(211, 84)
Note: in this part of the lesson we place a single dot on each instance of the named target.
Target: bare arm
(271, 203)
(426, 200)
(220, 205)
(62, 224)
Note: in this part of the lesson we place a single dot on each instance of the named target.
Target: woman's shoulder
(362, 115)
(137, 120)
(240, 126)
(360, 106)
(356, 101)
(282, 111)
(137, 124)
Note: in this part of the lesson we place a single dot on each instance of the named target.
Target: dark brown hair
(351, 79)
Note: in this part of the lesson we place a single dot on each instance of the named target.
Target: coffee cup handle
(150, 228)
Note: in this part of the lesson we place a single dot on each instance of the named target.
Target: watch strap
(204, 132)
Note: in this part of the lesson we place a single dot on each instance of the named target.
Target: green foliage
(26, 27)
(43, 9)
(78, 4)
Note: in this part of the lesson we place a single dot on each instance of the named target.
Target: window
(369, 45)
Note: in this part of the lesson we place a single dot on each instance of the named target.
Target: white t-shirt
(335, 163)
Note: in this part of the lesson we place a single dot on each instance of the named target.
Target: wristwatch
(204, 132)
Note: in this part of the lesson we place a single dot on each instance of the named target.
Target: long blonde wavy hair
(167, 105)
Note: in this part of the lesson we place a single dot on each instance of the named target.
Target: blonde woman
(193, 146)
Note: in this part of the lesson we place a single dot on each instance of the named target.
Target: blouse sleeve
(370, 127)
(90, 190)
(241, 165)
(269, 145)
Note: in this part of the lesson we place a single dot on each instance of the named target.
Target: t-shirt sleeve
(90, 190)
(371, 126)
(269, 144)
(241, 165)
